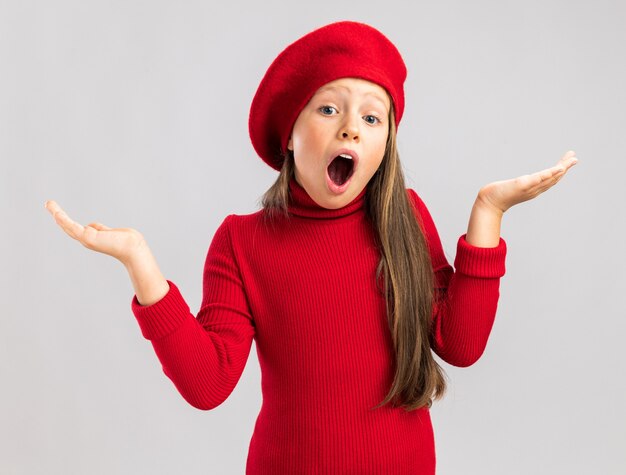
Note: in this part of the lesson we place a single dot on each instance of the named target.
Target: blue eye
(377, 119)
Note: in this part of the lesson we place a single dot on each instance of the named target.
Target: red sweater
(305, 291)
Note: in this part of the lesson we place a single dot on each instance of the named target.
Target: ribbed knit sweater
(305, 291)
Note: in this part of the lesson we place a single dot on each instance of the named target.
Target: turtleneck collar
(301, 204)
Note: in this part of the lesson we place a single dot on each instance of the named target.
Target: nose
(349, 128)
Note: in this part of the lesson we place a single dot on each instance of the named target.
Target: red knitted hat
(338, 50)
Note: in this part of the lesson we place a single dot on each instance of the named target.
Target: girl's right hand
(121, 243)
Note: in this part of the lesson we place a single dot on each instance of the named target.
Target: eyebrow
(370, 93)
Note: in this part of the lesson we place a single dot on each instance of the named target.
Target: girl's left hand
(501, 195)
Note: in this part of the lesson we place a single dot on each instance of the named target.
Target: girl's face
(350, 114)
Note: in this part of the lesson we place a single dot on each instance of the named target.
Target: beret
(337, 50)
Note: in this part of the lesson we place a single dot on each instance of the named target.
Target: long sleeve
(203, 356)
(466, 299)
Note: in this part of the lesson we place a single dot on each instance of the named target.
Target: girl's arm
(466, 296)
(495, 198)
(483, 229)
(148, 281)
(203, 356)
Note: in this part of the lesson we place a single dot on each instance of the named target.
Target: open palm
(501, 195)
(120, 243)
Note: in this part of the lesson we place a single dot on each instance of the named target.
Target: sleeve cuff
(162, 317)
(485, 262)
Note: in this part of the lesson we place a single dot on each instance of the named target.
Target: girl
(340, 278)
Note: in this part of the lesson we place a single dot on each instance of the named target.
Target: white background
(134, 114)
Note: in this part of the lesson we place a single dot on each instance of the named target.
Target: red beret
(338, 50)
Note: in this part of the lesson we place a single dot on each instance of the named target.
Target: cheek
(380, 152)
(310, 136)
(307, 142)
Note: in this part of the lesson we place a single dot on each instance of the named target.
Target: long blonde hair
(405, 270)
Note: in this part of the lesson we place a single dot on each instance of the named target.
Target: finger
(557, 170)
(568, 160)
(99, 226)
(71, 227)
(52, 206)
(48, 204)
(565, 163)
(546, 174)
(563, 170)
(553, 180)
(540, 181)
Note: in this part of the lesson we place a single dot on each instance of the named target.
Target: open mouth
(340, 169)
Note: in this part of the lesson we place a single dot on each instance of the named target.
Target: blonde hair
(405, 270)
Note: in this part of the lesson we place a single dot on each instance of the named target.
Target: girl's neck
(301, 204)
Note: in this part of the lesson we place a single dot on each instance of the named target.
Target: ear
(290, 144)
